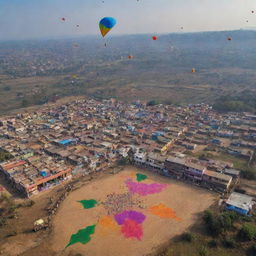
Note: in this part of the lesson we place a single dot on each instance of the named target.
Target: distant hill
(34, 72)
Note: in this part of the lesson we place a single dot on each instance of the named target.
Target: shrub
(152, 103)
(208, 217)
(2, 221)
(252, 250)
(203, 251)
(229, 243)
(188, 237)
(30, 203)
(247, 232)
(213, 243)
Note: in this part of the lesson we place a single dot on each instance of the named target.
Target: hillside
(34, 72)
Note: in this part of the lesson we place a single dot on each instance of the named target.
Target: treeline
(244, 102)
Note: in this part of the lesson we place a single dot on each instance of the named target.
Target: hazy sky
(21, 19)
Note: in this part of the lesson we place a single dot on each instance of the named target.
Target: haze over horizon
(28, 19)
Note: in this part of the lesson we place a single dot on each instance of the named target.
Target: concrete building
(240, 203)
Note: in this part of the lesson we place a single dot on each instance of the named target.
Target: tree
(247, 232)
(188, 237)
(152, 103)
(213, 224)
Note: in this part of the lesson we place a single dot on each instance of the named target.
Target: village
(60, 142)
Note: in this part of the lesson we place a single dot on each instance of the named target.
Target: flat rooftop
(240, 200)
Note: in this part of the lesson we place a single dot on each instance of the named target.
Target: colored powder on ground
(141, 177)
(164, 212)
(107, 225)
(132, 229)
(82, 236)
(138, 217)
(144, 189)
(87, 204)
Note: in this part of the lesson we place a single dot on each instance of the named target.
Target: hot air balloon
(154, 38)
(106, 24)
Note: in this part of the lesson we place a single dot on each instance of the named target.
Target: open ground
(186, 203)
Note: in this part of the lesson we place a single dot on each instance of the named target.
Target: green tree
(247, 232)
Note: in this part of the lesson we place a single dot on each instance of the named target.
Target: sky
(25, 19)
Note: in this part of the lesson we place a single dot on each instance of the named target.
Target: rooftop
(240, 200)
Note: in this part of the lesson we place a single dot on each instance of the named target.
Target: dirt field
(184, 203)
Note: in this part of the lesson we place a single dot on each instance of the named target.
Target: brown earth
(188, 202)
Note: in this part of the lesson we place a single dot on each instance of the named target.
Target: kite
(193, 70)
(229, 38)
(130, 57)
(106, 24)
(63, 19)
(154, 38)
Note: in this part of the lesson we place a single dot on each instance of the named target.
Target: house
(239, 203)
(194, 172)
(175, 167)
(216, 181)
(232, 172)
(155, 161)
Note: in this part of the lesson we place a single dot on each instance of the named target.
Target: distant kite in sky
(229, 38)
(193, 70)
(63, 19)
(130, 57)
(106, 24)
(154, 38)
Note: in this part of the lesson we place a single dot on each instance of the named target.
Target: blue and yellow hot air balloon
(106, 24)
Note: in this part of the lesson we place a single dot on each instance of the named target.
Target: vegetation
(7, 208)
(124, 161)
(188, 237)
(157, 72)
(152, 103)
(234, 235)
(4, 156)
(247, 232)
(245, 101)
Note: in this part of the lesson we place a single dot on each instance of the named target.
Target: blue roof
(63, 142)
